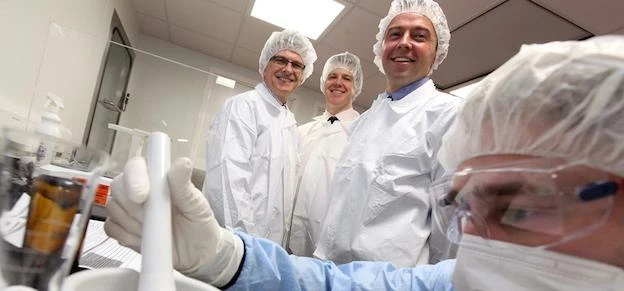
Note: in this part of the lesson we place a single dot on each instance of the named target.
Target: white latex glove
(201, 248)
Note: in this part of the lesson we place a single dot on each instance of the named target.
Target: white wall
(303, 106)
(54, 46)
(58, 46)
(163, 92)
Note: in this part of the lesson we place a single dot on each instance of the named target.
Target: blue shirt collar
(403, 91)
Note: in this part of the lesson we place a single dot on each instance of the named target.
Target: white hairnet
(429, 9)
(349, 62)
(560, 99)
(288, 40)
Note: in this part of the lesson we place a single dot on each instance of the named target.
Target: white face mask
(506, 266)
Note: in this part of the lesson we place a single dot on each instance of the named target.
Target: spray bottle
(50, 126)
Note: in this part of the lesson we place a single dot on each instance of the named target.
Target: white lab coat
(251, 158)
(381, 207)
(320, 146)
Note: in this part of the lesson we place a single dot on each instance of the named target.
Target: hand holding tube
(201, 248)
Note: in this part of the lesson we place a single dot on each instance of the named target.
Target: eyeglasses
(535, 207)
(282, 61)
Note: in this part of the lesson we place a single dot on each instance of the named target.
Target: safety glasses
(539, 203)
(282, 62)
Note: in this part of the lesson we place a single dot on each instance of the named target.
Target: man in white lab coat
(252, 144)
(537, 193)
(381, 203)
(320, 145)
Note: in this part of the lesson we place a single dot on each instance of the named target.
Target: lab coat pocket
(395, 189)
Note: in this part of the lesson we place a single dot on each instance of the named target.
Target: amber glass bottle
(53, 207)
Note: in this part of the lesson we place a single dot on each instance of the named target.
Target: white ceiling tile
(246, 58)
(154, 8)
(195, 41)
(485, 43)
(477, 47)
(255, 33)
(379, 7)
(460, 12)
(313, 82)
(596, 16)
(355, 32)
(237, 5)
(323, 52)
(154, 27)
(369, 68)
(205, 17)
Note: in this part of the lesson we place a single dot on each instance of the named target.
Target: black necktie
(331, 119)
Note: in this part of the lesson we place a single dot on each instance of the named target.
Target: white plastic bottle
(50, 125)
(50, 120)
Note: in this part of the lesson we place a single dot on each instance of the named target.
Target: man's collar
(405, 90)
(345, 115)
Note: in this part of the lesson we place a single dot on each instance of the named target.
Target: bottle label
(101, 195)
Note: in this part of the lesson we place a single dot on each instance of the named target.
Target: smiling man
(252, 143)
(321, 144)
(381, 204)
(536, 195)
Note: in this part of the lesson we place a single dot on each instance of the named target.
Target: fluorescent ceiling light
(182, 140)
(310, 17)
(223, 81)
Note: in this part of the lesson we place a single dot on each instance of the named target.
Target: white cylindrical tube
(156, 245)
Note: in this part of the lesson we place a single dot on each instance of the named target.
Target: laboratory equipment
(40, 222)
(157, 271)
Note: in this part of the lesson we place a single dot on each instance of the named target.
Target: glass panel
(111, 96)
(68, 68)
(172, 97)
(171, 89)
